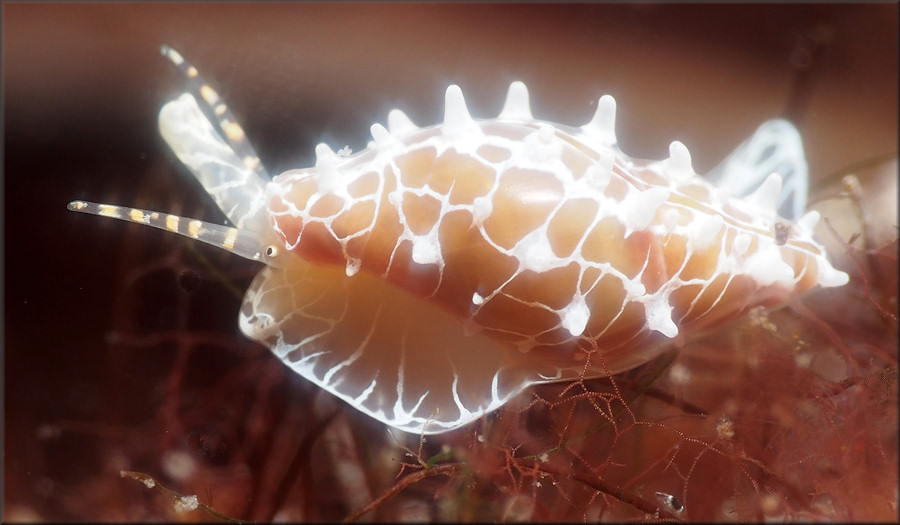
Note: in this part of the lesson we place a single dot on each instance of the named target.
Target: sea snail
(433, 276)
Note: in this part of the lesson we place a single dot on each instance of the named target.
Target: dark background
(82, 87)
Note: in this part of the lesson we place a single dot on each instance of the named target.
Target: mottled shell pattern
(433, 276)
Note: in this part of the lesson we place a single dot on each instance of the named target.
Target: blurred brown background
(83, 85)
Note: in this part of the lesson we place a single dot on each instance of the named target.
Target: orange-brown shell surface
(439, 272)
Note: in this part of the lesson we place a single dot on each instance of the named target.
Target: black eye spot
(271, 251)
(782, 233)
(670, 502)
(189, 281)
(675, 504)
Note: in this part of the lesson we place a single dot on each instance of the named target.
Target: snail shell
(433, 276)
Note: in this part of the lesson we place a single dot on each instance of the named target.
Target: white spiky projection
(433, 276)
